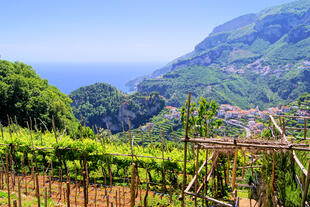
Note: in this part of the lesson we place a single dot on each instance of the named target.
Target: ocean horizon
(71, 76)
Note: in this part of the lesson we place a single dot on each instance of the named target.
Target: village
(251, 120)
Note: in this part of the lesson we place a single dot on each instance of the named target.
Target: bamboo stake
(95, 192)
(9, 125)
(19, 195)
(38, 190)
(132, 186)
(243, 165)
(185, 148)
(163, 157)
(75, 183)
(147, 188)
(108, 201)
(54, 128)
(141, 133)
(196, 180)
(116, 201)
(1, 130)
(50, 184)
(8, 180)
(273, 171)
(45, 197)
(131, 140)
(87, 178)
(60, 183)
(14, 203)
(68, 193)
(150, 135)
(205, 180)
(119, 197)
(228, 167)
(305, 193)
(233, 182)
(305, 128)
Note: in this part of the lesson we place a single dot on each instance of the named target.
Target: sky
(112, 30)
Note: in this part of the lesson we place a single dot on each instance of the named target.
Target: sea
(71, 76)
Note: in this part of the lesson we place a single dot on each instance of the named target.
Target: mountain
(105, 106)
(256, 59)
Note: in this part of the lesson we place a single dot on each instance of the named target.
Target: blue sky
(114, 30)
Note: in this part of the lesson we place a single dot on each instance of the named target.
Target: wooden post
(185, 148)
(163, 157)
(116, 201)
(243, 165)
(1, 130)
(147, 187)
(54, 129)
(108, 203)
(273, 171)
(32, 173)
(196, 172)
(233, 182)
(49, 184)
(206, 180)
(131, 140)
(284, 127)
(75, 183)
(228, 166)
(119, 197)
(60, 183)
(305, 128)
(305, 193)
(19, 195)
(95, 192)
(68, 193)
(38, 189)
(8, 179)
(132, 186)
(85, 183)
(142, 137)
(45, 197)
(150, 135)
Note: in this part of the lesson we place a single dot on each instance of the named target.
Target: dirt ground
(97, 195)
(245, 202)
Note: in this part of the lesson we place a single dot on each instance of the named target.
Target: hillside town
(251, 119)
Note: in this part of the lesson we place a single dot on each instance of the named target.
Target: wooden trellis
(231, 146)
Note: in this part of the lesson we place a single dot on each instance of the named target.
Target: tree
(202, 119)
(28, 97)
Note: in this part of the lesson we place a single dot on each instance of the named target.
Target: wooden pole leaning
(306, 188)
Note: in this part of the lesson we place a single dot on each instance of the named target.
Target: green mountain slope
(256, 59)
(106, 107)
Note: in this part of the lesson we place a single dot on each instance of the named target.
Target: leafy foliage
(202, 118)
(24, 94)
(104, 106)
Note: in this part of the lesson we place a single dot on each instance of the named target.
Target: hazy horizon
(113, 31)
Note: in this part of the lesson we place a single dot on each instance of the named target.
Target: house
(251, 123)
(259, 126)
(226, 107)
(221, 113)
(285, 109)
(231, 114)
(264, 115)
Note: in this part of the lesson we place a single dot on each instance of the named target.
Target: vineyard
(156, 167)
(101, 167)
